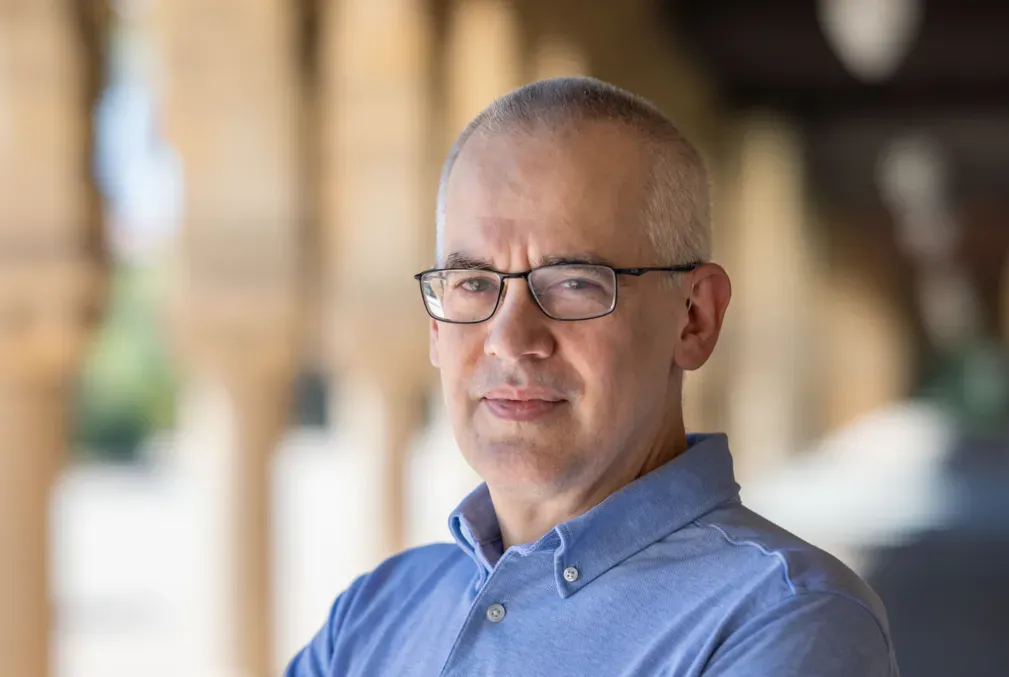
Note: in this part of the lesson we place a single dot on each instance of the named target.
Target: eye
(475, 285)
(577, 284)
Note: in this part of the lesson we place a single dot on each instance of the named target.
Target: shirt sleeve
(316, 658)
(815, 633)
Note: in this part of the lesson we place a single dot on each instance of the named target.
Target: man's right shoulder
(420, 568)
(415, 564)
(377, 600)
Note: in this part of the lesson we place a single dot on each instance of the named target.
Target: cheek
(617, 367)
(599, 358)
(459, 349)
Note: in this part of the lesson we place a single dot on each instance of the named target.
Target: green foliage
(972, 384)
(126, 391)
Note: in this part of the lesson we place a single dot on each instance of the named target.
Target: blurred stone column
(771, 265)
(50, 283)
(483, 57)
(377, 208)
(862, 346)
(232, 104)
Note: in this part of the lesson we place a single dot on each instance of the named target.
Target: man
(573, 289)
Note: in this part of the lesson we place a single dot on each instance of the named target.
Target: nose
(519, 329)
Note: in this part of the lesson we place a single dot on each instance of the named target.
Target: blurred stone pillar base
(226, 436)
(32, 449)
(380, 423)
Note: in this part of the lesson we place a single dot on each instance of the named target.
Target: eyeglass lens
(564, 292)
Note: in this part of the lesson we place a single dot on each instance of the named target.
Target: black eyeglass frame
(637, 272)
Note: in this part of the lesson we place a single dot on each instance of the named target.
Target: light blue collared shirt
(668, 576)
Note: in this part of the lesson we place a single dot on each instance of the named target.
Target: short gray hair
(677, 209)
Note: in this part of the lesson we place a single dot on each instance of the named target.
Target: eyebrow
(463, 260)
(467, 261)
(575, 259)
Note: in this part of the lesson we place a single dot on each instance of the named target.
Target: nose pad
(520, 330)
(504, 292)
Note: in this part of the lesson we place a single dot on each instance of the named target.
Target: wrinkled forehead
(575, 191)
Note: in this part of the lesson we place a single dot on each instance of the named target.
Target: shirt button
(495, 613)
(571, 574)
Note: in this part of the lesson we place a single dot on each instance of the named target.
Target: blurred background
(215, 403)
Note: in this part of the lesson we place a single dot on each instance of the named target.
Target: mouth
(522, 405)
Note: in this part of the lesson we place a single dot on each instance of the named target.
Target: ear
(708, 291)
(433, 344)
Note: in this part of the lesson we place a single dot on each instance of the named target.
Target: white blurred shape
(870, 37)
(116, 543)
(318, 493)
(912, 177)
(441, 478)
(873, 482)
(949, 308)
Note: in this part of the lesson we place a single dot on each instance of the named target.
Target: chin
(521, 463)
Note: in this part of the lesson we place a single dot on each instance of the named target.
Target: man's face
(539, 404)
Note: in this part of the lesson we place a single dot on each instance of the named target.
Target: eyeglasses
(566, 291)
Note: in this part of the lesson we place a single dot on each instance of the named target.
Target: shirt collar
(475, 528)
(637, 515)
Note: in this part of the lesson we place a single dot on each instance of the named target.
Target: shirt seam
(801, 590)
(761, 548)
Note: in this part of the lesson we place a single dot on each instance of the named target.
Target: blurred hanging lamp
(871, 38)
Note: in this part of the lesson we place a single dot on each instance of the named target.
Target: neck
(525, 518)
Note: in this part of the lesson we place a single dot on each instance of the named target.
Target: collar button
(495, 613)
(571, 574)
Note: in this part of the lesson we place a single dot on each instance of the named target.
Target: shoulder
(786, 589)
(782, 563)
(815, 632)
(412, 569)
(373, 599)
(381, 592)
(416, 561)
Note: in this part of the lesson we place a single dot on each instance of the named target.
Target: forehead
(545, 193)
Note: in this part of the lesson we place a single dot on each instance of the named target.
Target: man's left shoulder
(781, 564)
(795, 609)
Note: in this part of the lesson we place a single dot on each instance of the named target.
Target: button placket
(471, 617)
